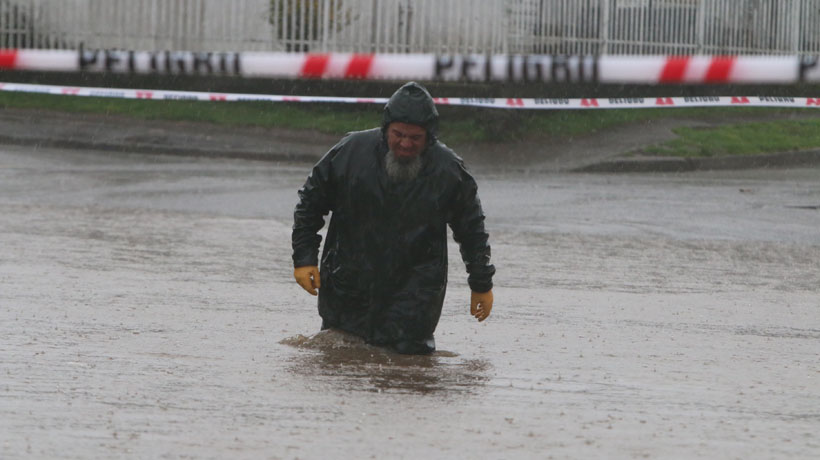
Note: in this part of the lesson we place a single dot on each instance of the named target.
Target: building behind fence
(419, 26)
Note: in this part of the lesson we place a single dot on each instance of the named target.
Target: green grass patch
(498, 125)
(458, 124)
(324, 118)
(742, 139)
(565, 123)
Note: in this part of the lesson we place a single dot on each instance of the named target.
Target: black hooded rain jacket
(384, 262)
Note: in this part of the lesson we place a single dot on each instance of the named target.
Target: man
(392, 191)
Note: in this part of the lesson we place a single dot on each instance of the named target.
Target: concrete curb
(642, 165)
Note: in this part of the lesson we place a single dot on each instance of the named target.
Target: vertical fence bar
(720, 24)
(689, 29)
(794, 23)
(412, 25)
(782, 21)
(379, 39)
(683, 26)
(513, 27)
(473, 27)
(663, 35)
(666, 37)
(294, 9)
(287, 23)
(503, 26)
(398, 24)
(397, 20)
(762, 18)
(393, 22)
(683, 21)
(510, 13)
(41, 25)
(714, 37)
(384, 29)
(603, 44)
(352, 31)
(719, 38)
(421, 15)
(180, 41)
(313, 25)
(375, 28)
(28, 26)
(325, 33)
(15, 39)
(300, 28)
(19, 24)
(28, 35)
(626, 29)
(629, 36)
(54, 17)
(273, 14)
(640, 19)
(700, 28)
(808, 26)
(117, 32)
(737, 23)
(566, 32)
(812, 24)
(522, 19)
(4, 25)
(617, 29)
(567, 39)
(192, 25)
(39, 38)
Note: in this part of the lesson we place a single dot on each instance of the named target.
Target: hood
(412, 104)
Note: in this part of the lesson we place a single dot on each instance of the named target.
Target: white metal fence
(425, 26)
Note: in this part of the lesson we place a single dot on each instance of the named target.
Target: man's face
(405, 140)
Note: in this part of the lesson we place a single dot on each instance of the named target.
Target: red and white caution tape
(167, 95)
(503, 103)
(428, 67)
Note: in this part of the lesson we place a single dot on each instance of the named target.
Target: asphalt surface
(147, 310)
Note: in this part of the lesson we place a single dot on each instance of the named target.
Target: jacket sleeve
(468, 230)
(315, 202)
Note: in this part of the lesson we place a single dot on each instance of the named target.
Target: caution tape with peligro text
(533, 68)
(500, 103)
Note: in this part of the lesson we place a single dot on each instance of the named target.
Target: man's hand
(480, 304)
(308, 278)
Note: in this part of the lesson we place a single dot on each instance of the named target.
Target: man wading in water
(392, 192)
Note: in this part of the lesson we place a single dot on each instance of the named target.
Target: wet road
(148, 311)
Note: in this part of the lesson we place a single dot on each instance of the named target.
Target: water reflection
(346, 362)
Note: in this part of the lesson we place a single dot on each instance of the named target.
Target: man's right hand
(308, 278)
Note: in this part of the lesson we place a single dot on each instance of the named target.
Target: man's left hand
(480, 304)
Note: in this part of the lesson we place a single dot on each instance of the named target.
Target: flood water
(147, 310)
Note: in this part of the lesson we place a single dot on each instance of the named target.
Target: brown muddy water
(147, 310)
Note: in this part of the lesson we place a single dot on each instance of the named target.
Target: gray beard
(402, 171)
